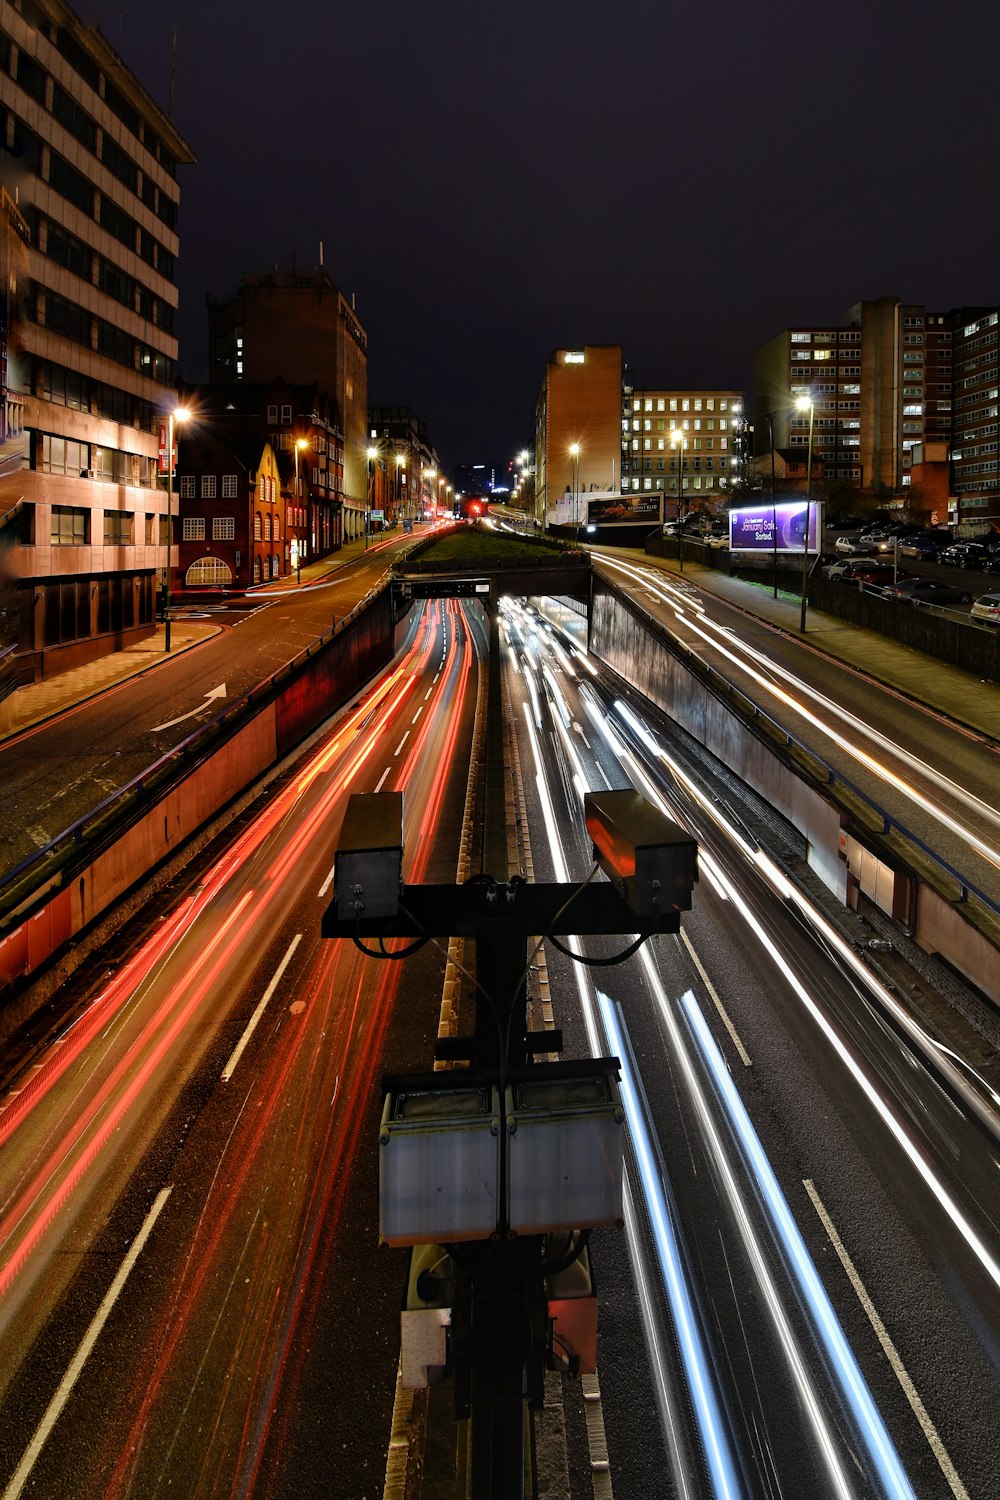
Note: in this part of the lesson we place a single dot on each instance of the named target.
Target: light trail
(749, 662)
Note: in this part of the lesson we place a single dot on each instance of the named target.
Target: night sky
(494, 182)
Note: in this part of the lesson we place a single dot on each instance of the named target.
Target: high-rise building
(880, 383)
(578, 424)
(976, 419)
(90, 164)
(689, 436)
(298, 324)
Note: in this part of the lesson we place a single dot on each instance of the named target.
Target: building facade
(92, 164)
(578, 438)
(681, 445)
(405, 484)
(300, 324)
(881, 386)
(237, 516)
(976, 419)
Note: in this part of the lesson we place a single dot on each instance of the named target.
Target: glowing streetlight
(806, 403)
(372, 458)
(178, 414)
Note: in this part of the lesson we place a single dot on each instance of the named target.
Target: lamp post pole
(802, 403)
(300, 443)
(774, 508)
(177, 414)
(574, 449)
(678, 443)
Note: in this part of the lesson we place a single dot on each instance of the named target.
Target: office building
(681, 443)
(578, 439)
(89, 164)
(300, 325)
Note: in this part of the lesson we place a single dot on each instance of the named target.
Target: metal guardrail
(36, 874)
(883, 823)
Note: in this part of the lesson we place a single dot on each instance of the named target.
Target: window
(187, 486)
(117, 528)
(194, 528)
(69, 526)
(229, 489)
(286, 415)
(267, 528)
(223, 528)
(208, 486)
(256, 527)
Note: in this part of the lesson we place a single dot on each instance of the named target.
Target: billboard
(775, 528)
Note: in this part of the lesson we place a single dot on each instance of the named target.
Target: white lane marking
(72, 1375)
(416, 716)
(717, 1002)
(329, 879)
(402, 742)
(238, 1050)
(930, 1432)
(428, 692)
(383, 776)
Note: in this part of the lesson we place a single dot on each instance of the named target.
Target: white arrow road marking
(216, 692)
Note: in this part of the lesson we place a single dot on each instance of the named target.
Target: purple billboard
(775, 528)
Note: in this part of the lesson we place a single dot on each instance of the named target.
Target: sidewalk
(41, 700)
(957, 694)
(38, 701)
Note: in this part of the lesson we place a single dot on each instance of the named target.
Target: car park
(963, 555)
(926, 591)
(986, 607)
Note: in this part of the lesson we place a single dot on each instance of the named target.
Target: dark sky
(496, 181)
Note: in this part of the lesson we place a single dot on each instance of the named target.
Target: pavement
(957, 694)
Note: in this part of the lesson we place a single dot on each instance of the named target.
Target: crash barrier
(53, 896)
(837, 819)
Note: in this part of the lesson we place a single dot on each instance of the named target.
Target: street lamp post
(574, 449)
(300, 443)
(372, 471)
(774, 508)
(177, 414)
(677, 441)
(803, 403)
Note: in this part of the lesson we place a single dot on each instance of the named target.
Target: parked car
(986, 607)
(845, 523)
(927, 545)
(863, 572)
(927, 591)
(853, 546)
(963, 555)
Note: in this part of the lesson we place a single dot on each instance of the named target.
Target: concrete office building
(299, 325)
(880, 383)
(89, 164)
(689, 436)
(578, 406)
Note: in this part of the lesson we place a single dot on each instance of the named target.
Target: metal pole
(805, 539)
(680, 505)
(170, 526)
(774, 508)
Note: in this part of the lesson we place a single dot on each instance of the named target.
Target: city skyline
(492, 188)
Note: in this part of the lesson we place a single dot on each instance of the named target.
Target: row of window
(681, 403)
(46, 163)
(697, 444)
(70, 252)
(692, 482)
(58, 314)
(687, 425)
(71, 114)
(59, 455)
(223, 528)
(71, 526)
(842, 336)
(80, 393)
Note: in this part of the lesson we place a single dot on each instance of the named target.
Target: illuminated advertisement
(775, 528)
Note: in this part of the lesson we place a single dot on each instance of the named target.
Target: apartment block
(678, 443)
(881, 386)
(89, 163)
(299, 324)
(976, 419)
(578, 424)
